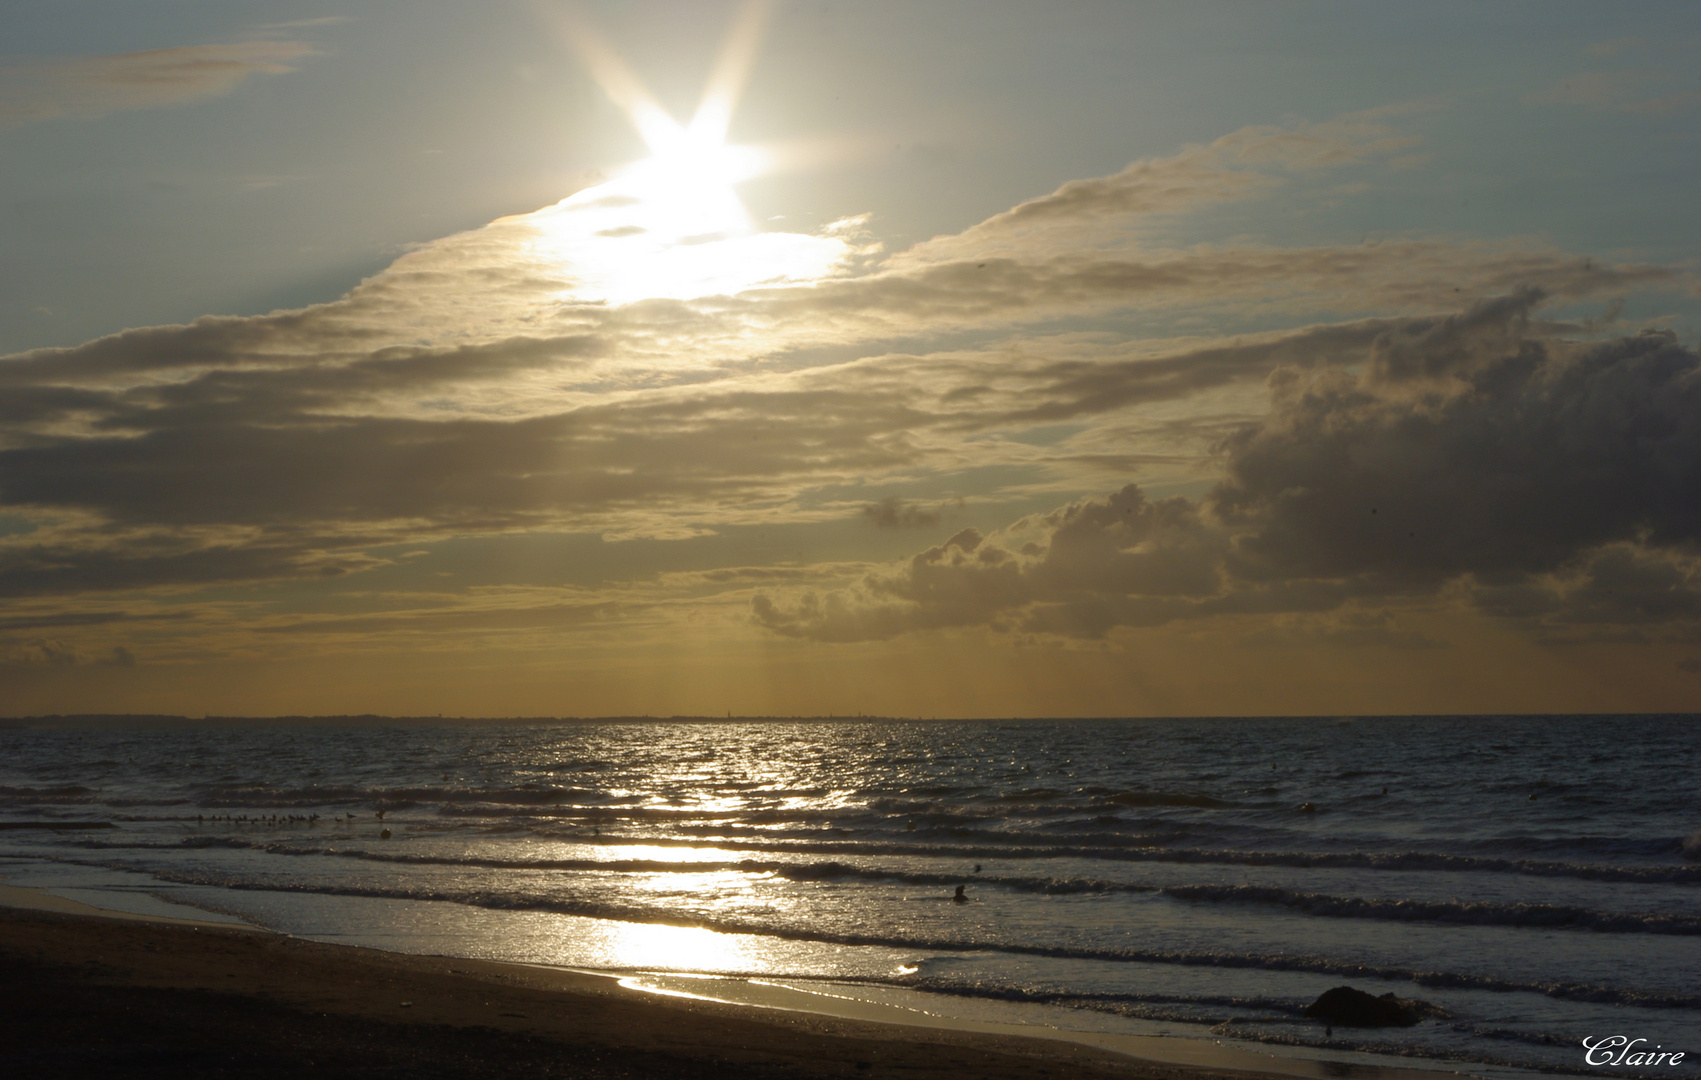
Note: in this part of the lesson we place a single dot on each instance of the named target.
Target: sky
(815, 358)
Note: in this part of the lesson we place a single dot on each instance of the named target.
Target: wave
(1188, 1008)
(1152, 848)
(390, 798)
(791, 871)
(1095, 796)
(1483, 913)
(1455, 912)
(1161, 798)
(938, 804)
(556, 903)
(1091, 822)
(33, 796)
(1282, 1021)
(1419, 860)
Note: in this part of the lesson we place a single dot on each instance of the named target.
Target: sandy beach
(87, 995)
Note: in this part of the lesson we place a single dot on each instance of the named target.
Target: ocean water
(1537, 879)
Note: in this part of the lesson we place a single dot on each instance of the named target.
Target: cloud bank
(1401, 423)
(87, 87)
(1538, 479)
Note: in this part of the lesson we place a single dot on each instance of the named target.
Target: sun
(672, 226)
(686, 185)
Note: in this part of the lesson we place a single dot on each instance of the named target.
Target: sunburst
(672, 225)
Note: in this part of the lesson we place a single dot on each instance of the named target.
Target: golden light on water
(653, 852)
(643, 946)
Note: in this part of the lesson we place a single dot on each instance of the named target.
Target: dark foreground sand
(85, 996)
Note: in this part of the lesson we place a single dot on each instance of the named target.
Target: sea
(1536, 880)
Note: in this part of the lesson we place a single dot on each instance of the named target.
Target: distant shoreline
(104, 720)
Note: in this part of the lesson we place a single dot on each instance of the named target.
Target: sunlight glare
(653, 946)
(671, 226)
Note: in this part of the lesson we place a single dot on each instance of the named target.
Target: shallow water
(1200, 878)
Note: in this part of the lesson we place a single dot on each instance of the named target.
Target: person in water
(960, 898)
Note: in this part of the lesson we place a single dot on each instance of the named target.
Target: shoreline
(1168, 884)
(176, 985)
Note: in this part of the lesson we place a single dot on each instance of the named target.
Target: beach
(1175, 891)
(92, 995)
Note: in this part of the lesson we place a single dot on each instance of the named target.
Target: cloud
(297, 24)
(45, 653)
(1405, 275)
(88, 87)
(1084, 214)
(1349, 628)
(480, 386)
(1615, 47)
(893, 513)
(57, 619)
(1559, 483)
(269, 466)
(285, 444)
(1633, 91)
(1089, 566)
(37, 653)
(1619, 585)
(1468, 445)
(459, 620)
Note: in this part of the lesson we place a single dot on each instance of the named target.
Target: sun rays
(672, 225)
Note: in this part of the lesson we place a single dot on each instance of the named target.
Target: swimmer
(959, 898)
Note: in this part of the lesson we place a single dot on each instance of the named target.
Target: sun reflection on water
(661, 853)
(653, 946)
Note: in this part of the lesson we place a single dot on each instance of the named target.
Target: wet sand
(86, 995)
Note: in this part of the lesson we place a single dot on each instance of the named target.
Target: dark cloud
(1508, 452)
(894, 513)
(1067, 390)
(1094, 565)
(981, 291)
(1561, 483)
(50, 620)
(43, 570)
(290, 462)
(741, 574)
(1468, 446)
(1622, 584)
